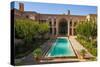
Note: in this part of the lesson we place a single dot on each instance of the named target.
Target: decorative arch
(63, 26)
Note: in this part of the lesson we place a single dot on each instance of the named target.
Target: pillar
(52, 26)
(68, 27)
(72, 28)
(57, 24)
(68, 22)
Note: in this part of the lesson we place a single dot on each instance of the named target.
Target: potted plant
(83, 52)
(37, 53)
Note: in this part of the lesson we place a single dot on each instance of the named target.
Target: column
(57, 27)
(52, 26)
(68, 27)
(72, 28)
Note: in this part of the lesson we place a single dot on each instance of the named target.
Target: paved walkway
(78, 47)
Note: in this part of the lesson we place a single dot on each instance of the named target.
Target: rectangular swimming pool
(61, 48)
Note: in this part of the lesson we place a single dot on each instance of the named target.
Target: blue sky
(48, 8)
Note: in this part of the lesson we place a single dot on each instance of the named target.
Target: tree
(43, 29)
(87, 29)
(94, 30)
(87, 34)
(27, 29)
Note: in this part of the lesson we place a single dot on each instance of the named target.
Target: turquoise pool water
(61, 48)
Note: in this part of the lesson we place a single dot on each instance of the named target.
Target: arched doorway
(63, 27)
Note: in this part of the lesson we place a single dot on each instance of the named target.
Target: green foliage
(87, 34)
(37, 53)
(43, 28)
(29, 32)
(87, 29)
(89, 45)
(83, 52)
(27, 29)
(94, 30)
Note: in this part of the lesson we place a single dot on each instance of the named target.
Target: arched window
(50, 30)
(50, 22)
(54, 22)
(71, 23)
(63, 27)
(54, 31)
(75, 23)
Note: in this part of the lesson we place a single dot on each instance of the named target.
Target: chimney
(68, 12)
(21, 7)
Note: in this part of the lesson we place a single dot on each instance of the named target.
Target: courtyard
(53, 38)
